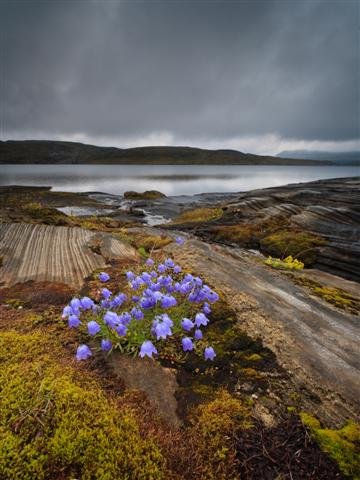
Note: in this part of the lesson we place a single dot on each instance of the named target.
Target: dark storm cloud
(195, 69)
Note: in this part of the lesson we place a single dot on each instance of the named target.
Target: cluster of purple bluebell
(139, 321)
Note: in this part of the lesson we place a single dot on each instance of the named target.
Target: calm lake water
(169, 179)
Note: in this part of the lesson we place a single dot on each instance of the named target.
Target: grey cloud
(196, 69)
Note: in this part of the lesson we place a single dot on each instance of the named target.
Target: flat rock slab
(159, 383)
(316, 341)
(55, 254)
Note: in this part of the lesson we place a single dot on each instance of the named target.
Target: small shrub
(289, 263)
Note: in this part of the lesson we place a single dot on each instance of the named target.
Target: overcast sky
(259, 76)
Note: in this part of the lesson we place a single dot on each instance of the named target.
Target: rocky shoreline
(288, 341)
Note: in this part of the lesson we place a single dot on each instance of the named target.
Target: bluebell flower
(166, 319)
(169, 263)
(130, 276)
(180, 240)
(118, 300)
(146, 277)
(194, 296)
(93, 327)
(149, 262)
(111, 319)
(187, 324)
(83, 352)
(188, 277)
(177, 287)
(168, 301)
(161, 329)
(177, 269)
(161, 268)
(67, 311)
(137, 313)
(153, 274)
(136, 283)
(86, 303)
(187, 344)
(185, 288)
(104, 277)
(135, 298)
(148, 349)
(74, 321)
(75, 304)
(105, 303)
(206, 309)
(105, 292)
(125, 318)
(198, 282)
(209, 353)
(155, 286)
(106, 345)
(147, 302)
(212, 296)
(121, 330)
(201, 319)
(198, 335)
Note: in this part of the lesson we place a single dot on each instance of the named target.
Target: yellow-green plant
(289, 263)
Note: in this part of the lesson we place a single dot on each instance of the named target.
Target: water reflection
(170, 179)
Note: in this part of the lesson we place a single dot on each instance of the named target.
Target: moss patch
(57, 423)
(147, 195)
(199, 215)
(336, 296)
(151, 242)
(341, 445)
(301, 245)
(41, 214)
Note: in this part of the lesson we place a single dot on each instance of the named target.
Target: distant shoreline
(47, 152)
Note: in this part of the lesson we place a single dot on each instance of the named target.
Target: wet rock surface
(315, 341)
(328, 209)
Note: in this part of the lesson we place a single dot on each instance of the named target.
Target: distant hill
(343, 158)
(54, 152)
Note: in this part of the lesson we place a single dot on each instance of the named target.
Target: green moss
(341, 445)
(336, 296)
(152, 242)
(248, 234)
(147, 195)
(199, 215)
(301, 245)
(14, 303)
(212, 433)
(254, 357)
(55, 421)
(41, 214)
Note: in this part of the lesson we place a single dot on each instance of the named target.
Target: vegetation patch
(57, 423)
(336, 296)
(151, 242)
(197, 215)
(246, 234)
(301, 245)
(289, 263)
(41, 214)
(342, 445)
(147, 195)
